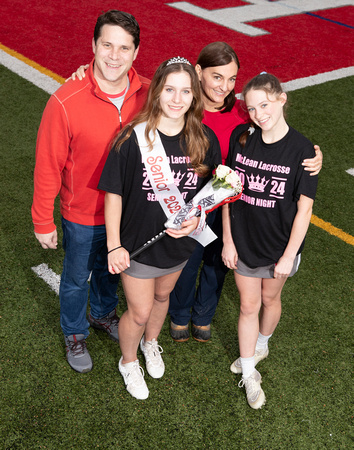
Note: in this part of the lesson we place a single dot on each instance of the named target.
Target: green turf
(197, 404)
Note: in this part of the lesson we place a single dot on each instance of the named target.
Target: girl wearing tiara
(264, 232)
(157, 163)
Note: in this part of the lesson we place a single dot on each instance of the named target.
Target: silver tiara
(177, 60)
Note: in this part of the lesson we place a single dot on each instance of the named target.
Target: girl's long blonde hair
(197, 143)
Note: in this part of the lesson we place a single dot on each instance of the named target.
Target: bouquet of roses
(224, 187)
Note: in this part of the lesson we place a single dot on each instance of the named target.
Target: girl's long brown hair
(196, 141)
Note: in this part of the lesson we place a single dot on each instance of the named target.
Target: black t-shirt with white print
(142, 216)
(273, 180)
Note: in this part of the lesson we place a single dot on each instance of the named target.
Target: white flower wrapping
(225, 186)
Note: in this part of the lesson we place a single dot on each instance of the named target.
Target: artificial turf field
(197, 404)
(307, 378)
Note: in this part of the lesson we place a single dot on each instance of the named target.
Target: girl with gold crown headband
(157, 162)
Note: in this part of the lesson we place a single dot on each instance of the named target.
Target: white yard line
(50, 277)
(50, 85)
(29, 73)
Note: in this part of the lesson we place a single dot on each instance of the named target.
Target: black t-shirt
(273, 180)
(142, 216)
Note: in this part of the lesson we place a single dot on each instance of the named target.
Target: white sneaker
(133, 376)
(152, 352)
(254, 392)
(258, 356)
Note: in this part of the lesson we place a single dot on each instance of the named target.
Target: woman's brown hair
(219, 54)
(197, 143)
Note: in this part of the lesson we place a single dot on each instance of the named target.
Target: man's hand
(48, 240)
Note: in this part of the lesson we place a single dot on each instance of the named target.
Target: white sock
(248, 366)
(129, 365)
(262, 342)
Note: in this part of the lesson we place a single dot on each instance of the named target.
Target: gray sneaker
(254, 392)
(109, 324)
(77, 354)
(258, 356)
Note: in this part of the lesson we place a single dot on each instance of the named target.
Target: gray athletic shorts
(265, 271)
(138, 270)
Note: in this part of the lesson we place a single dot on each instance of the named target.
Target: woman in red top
(217, 67)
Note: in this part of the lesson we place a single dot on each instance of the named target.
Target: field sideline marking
(332, 230)
(50, 82)
(38, 75)
(329, 20)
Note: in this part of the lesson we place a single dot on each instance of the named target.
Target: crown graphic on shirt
(178, 176)
(257, 183)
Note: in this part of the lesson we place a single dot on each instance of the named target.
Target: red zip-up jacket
(74, 138)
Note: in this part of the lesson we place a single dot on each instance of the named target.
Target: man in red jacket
(74, 137)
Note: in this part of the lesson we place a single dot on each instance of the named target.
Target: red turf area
(58, 36)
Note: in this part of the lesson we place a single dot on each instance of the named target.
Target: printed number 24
(278, 187)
